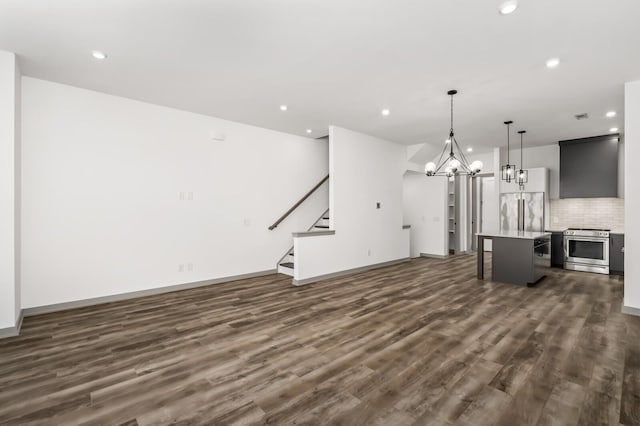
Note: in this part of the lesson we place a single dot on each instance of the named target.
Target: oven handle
(594, 239)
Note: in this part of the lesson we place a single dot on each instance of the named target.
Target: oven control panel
(585, 233)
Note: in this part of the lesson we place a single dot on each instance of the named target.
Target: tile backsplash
(606, 213)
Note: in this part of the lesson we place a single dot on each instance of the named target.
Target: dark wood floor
(421, 342)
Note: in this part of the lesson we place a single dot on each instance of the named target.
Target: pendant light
(522, 176)
(508, 170)
(453, 164)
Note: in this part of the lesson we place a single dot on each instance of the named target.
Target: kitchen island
(518, 257)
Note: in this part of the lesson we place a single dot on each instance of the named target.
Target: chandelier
(452, 164)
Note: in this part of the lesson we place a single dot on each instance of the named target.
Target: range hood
(589, 167)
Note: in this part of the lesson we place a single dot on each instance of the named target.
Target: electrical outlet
(369, 252)
(378, 205)
(247, 222)
(181, 268)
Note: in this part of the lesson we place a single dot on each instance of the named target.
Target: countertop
(514, 234)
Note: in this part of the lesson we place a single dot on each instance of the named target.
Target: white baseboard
(630, 310)
(433, 256)
(135, 294)
(13, 331)
(348, 272)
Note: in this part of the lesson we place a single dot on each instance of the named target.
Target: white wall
(425, 209)
(102, 182)
(9, 190)
(18, 190)
(632, 195)
(364, 170)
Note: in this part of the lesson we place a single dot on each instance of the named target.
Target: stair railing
(296, 205)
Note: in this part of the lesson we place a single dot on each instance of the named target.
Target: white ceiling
(340, 62)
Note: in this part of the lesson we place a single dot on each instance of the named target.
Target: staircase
(287, 262)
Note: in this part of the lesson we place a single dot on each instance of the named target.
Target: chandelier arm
(464, 161)
(440, 163)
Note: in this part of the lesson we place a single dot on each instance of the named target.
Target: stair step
(322, 226)
(287, 265)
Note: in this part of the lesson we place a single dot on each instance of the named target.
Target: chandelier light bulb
(454, 164)
(430, 168)
(476, 166)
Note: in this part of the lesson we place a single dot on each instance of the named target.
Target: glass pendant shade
(508, 171)
(522, 177)
(454, 163)
(430, 168)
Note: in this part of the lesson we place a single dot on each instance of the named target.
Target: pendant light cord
(508, 149)
(521, 163)
(451, 130)
(451, 137)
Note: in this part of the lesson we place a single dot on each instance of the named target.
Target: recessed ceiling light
(611, 114)
(508, 7)
(386, 112)
(99, 55)
(309, 130)
(553, 62)
(469, 149)
(613, 129)
(283, 108)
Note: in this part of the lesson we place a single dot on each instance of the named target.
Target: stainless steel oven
(587, 250)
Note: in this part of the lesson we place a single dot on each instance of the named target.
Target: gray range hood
(589, 167)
